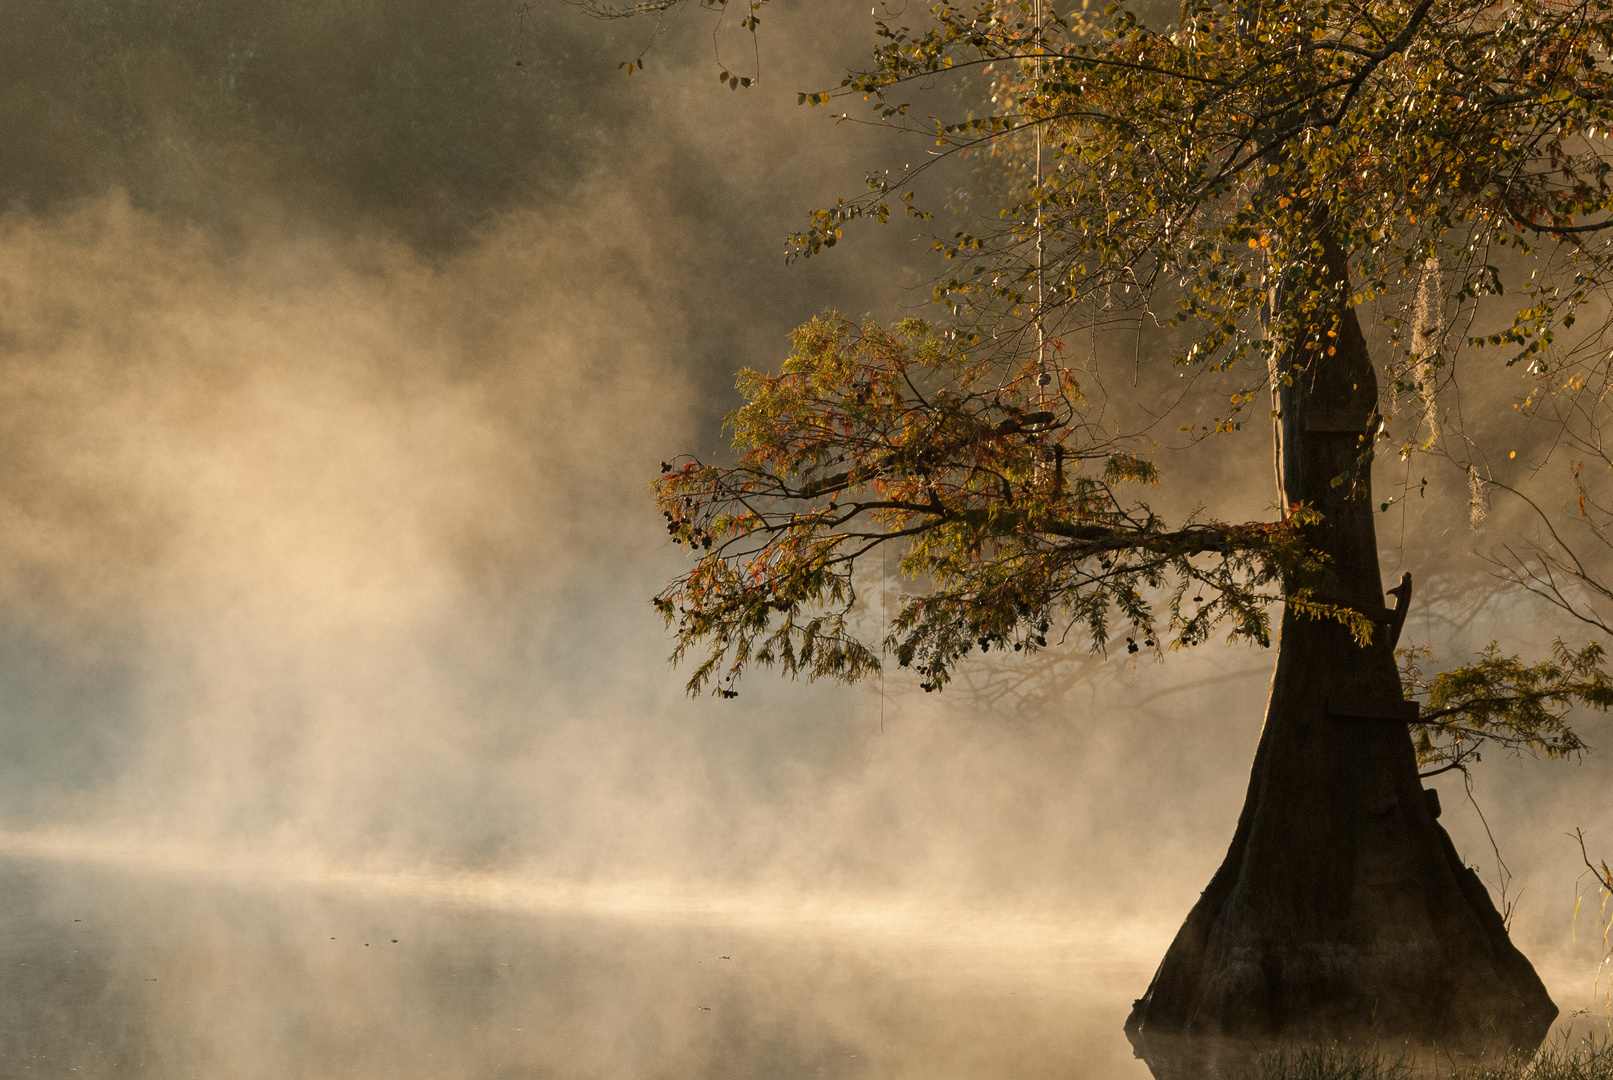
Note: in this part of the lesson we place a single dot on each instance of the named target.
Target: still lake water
(116, 972)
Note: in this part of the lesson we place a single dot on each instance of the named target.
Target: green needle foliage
(1199, 168)
(1242, 178)
(1016, 512)
(1504, 701)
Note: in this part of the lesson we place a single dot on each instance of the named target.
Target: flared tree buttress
(1342, 909)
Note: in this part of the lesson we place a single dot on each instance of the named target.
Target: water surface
(117, 972)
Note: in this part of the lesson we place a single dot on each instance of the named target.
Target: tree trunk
(1342, 910)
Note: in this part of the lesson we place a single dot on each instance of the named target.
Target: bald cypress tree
(1259, 181)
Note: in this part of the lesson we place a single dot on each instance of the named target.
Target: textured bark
(1342, 909)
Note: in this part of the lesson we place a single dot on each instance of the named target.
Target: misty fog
(339, 351)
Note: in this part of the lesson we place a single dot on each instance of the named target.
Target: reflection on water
(114, 973)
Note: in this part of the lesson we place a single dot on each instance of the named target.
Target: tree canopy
(1246, 181)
